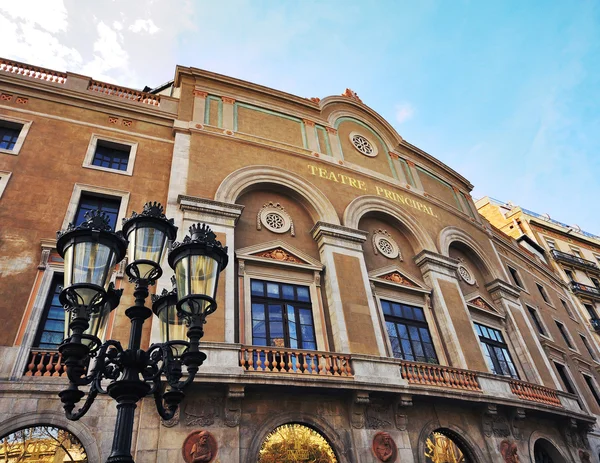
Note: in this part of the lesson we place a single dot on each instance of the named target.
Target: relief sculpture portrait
(199, 447)
(384, 447)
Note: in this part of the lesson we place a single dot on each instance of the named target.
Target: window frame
(570, 383)
(297, 305)
(592, 386)
(80, 188)
(294, 274)
(588, 346)
(22, 134)
(568, 309)
(542, 329)
(542, 290)
(565, 335)
(4, 178)
(409, 322)
(56, 280)
(551, 246)
(516, 277)
(495, 343)
(91, 152)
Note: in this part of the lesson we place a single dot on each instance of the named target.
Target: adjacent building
(368, 313)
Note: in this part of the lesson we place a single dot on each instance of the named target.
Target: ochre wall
(269, 126)
(360, 328)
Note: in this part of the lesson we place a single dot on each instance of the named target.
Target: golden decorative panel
(295, 443)
(442, 449)
(41, 444)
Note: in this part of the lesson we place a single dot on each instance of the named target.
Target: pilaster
(228, 112)
(334, 143)
(415, 174)
(199, 106)
(311, 135)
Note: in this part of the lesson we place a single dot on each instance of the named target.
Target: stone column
(334, 143)
(450, 309)
(352, 311)
(311, 135)
(199, 106)
(228, 112)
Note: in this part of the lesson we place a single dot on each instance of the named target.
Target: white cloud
(144, 25)
(404, 112)
(109, 55)
(50, 15)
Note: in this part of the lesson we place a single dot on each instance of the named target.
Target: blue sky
(507, 93)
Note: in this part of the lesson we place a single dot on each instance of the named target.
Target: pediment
(278, 251)
(480, 303)
(393, 275)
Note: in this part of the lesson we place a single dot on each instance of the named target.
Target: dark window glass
(282, 315)
(564, 378)
(563, 332)
(89, 202)
(587, 346)
(536, 320)
(408, 332)
(111, 155)
(9, 134)
(590, 384)
(515, 277)
(496, 351)
(51, 332)
(569, 274)
(542, 292)
(596, 282)
(591, 310)
(567, 308)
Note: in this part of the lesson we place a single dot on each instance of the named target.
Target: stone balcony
(575, 261)
(256, 365)
(585, 290)
(86, 87)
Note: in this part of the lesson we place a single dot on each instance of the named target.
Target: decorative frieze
(279, 254)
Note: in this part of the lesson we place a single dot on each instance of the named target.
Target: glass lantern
(173, 329)
(147, 233)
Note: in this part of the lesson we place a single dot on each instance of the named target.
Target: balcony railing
(126, 93)
(34, 72)
(574, 260)
(438, 375)
(44, 363)
(534, 393)
(586, 290)
(303, 362)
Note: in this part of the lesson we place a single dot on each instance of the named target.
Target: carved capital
(308, 122)
(410, 163)
(331, 130)
(228, 100)
(394, 155)
(199, 93)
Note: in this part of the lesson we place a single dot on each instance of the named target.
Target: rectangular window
(590, 309)
(587, 346)
(596, 282)
(516, 278)
(576, 252)
(543, 293)
(564, 378)
(597, 258)
(89, 202)
(52, 326)
(590, 383)
(551, 243)
(496, 351)
(111, 155)
(569, 274)
(408, 332)
(536, 320)
(565, 335)
(567, 308)
(282, 315)
(9, 134)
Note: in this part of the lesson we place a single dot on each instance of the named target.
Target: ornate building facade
(369, 313)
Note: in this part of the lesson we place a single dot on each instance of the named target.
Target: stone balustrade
(125, 93)
(45, 363)
(438, 375)
(283, 360)
(535, 393)
(34, 72)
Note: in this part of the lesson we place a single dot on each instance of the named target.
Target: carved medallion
(384, 447)
(275, 218)
(465, 274)
(199, 447)
(509, 449)
(385, 244)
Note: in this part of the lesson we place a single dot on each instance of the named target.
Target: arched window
(545, 452)
(41, 443)
(294, 442)
(441, 447)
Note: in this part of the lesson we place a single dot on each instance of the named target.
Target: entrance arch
(545, 452)
(448, 444)
(295, 442)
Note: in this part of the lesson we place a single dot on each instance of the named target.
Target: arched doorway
(545, 452)
(42, 443)
(294, 442)
(443, 446)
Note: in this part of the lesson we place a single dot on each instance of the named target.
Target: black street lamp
(91, 251)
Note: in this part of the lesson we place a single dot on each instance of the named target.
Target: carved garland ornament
(363, 145)
(279, 254)
(274, 218)
(386, 245)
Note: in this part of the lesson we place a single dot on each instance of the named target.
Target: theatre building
(368, 313)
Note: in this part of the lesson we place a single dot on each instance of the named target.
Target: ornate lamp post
(91, 251)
